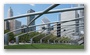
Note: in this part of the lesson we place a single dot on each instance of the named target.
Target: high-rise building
(81, 14)
(57, 29)
(71, 31)
(17, 25)
(65, 16)
(25, 29)
(29, 18)
(44, 21)
(13, 24)
(10, 12)
(7, 23)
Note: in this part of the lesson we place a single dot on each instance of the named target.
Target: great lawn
(44, 46)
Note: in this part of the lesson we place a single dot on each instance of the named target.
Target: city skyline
(19, 9)
(51, 31)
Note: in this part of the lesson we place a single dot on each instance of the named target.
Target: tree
(5, 31)
(64, 39)
(26, 37)
(11, 35)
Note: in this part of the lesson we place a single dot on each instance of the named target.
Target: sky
(19, 9)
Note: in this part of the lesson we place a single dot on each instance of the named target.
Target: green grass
(44, 46)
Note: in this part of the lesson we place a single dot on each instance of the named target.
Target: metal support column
(40, 40)
(6, 39)
(31, 40)
(17, 39)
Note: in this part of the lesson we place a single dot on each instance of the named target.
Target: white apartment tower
(70, 31)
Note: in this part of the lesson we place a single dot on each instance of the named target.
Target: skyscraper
(29, 18)
(65, 16)
(81, 14)
(17, 25)
(7, 23)
(13, 24)
(71, 31)
(10, 12)
(57, 29)
(44, 21)
(25, 29)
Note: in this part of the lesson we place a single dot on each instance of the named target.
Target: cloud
(32, 4)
